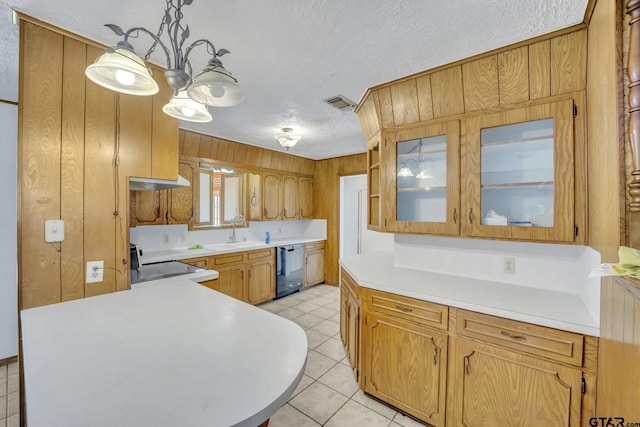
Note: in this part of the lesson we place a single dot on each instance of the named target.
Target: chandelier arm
(174, 27)
(155, 39)
(209, 44)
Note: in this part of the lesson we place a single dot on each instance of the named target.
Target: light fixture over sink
(122, 70)
(287, 138)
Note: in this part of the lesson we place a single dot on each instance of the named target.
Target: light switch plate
(53, 230)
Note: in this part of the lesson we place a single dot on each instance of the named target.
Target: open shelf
(518, 184)
(422, 189)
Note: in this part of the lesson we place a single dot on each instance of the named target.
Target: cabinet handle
(301, 213)
(241, 274)
(249, 274)
(435, 354)
(470, 215)
(455, 216)
(466, 365)
(404, 309)
(514, 337)
(284, 213)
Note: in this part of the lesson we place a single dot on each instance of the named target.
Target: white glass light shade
(287, 138)
(405, 171)
(123, 71)
(184, 108)
(215, 86)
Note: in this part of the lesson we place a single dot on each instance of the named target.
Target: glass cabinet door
(424, 164)
(520, 173)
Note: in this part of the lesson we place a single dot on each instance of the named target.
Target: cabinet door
(519, 181)
(255, 196)
(493, 387)
(306, 198)
(344, 315)
(291, 189)
(421, 174)
(373, 181)
(180, 203)
(149, 207)
(314, 268)
(405, 365)
(231, 281)
(353, 342)
(261, 283)
(272, 197)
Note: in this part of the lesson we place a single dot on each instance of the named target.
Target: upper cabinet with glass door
(423, 162)
(519, 174)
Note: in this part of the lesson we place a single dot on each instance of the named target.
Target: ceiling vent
(341, 103)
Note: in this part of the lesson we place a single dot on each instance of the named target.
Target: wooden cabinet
(519, 180)
(420, 177)
(374, 209)
(452, 367)
(254, 183)
(247, 276)
(306, 198)
(314, 257)
(290, 197)
(491, 386)
(350, 320)
(173, 206)
(404, 362)
(272, 197)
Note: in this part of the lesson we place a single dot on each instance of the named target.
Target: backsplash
(561, 268)
(154, 237)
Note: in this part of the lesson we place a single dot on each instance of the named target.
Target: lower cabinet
(451, 367)
(405, 365)
(491, 386)
(314, 255)
(247, 276)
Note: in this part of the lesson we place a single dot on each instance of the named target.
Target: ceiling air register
(122, 70)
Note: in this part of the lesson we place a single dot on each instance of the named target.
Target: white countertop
(173, 353)
(178, 253)
(558, 310)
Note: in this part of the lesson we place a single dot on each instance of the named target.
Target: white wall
(8, 231)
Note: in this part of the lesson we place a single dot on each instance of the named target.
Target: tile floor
(328, 394)
(9, 395)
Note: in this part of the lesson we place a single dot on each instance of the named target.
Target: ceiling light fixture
(287, 138)
(122, 70)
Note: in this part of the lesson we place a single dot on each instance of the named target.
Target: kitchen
(96, 198)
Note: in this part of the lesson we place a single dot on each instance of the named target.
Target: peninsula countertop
(168, 354)
(558, 310)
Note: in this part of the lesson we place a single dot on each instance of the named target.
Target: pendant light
(184, 108)
(215, 86)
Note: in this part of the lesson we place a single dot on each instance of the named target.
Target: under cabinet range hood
(150, 184)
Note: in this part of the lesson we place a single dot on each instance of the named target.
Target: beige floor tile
(305, 382)
(323, 301)
(354, 414)
(345, 361)
(308, 320)
(289, 301)
(325, 312)
(327, 327)
(406, 421)
(3, 372)
(13, 383)
(3, 408)
(307, 306)
(3, 422)
(381, 408)
(335, 319)
(13, 421)
(3, 386)
(288, 416)
(318, 364)
(318, 402)
(315, 338)
(393, 424)
(332, 348)
(341, 379)
(290, 313)
(13, 403)
(314, 290)
(12, 368)
(272, 307)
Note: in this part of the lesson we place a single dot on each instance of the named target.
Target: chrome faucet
(233, 223)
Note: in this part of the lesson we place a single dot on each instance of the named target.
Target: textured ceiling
(289, 55)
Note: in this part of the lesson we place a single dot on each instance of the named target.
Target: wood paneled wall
(194, 144)
(326, 202)
(527, 71)
(78, 144)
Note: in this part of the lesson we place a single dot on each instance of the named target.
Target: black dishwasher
(289, 270)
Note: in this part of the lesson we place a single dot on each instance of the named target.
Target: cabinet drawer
(538, 340)
(228, 259)
(198, 262)
(349, 284)
(423, 312)
(312, 246)
(260, 254)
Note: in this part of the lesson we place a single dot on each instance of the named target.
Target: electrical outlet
(94, 271)
(509, 265)
(183, 237)
(165, 238)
